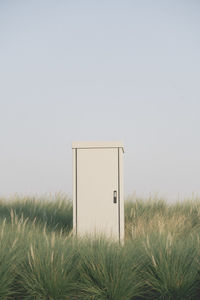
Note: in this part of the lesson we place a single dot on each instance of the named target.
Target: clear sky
(100, 71)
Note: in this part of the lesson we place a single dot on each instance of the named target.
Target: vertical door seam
(76, 186)
(119, 194)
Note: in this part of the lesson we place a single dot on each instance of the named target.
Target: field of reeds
(39, 258)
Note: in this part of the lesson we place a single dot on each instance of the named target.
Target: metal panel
(121, 193)
(98, 175)
(87, 145)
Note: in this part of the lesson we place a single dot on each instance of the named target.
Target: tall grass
(39, 258)
(50, 269)
(55, 212)
(108, 272)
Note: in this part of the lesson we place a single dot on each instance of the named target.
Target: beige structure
(98, 202)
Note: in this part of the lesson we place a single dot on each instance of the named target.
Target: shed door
(97, 179)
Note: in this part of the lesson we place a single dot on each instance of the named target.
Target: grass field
(39, 259)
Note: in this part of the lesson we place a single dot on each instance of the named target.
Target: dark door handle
(115, 197)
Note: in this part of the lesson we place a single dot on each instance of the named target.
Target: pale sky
(100, 71)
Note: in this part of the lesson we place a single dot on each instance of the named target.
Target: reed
(39, 258)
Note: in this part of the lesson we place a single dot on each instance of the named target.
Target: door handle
(115, 197)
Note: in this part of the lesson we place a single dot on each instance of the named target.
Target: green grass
(39, 258)
(54, 212)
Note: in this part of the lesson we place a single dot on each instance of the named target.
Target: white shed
(98, 201)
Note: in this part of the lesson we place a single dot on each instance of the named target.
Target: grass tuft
(40, 259)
